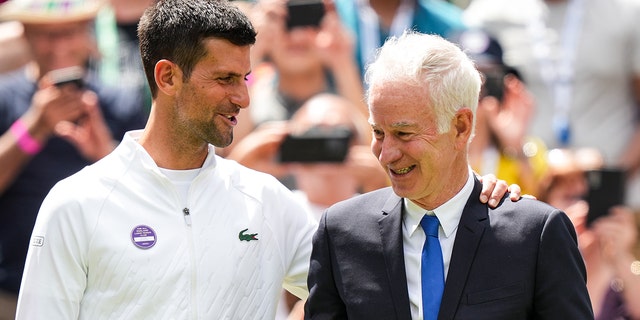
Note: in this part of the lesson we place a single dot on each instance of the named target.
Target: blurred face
(295, 50)
(209, 101)
(567, 190)
(59, 45)
(418, 160)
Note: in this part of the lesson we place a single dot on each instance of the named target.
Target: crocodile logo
(247, 237)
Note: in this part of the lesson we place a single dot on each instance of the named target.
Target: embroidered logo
(247, 237)
(37, 241)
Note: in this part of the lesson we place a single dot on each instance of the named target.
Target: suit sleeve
(561, 291)
(324, 300)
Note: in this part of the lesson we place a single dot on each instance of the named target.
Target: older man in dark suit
(373, 255)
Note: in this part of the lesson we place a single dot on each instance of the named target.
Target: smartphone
(494, 83)
(316, 146)
(606, 189)
(304, 13)
(67, 76)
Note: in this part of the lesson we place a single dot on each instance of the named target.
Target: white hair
(449, 77)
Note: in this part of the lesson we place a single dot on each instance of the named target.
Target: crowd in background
(561, 98)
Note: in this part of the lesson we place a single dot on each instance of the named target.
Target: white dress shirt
(413, 237)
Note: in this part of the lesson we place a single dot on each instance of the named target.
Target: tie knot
(430, 225)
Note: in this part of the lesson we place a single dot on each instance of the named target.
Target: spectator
(49, 132)
(607, 245)
(15, 50)
(293, 64)
(116, 57)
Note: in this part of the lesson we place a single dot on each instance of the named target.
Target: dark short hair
(175, 30)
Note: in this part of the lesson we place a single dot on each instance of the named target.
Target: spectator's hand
(89, 134)
(49, 106)
(617, 234)
(335, 43)
(493, 189)
(577, 213)
(268, 18)
(510, 119)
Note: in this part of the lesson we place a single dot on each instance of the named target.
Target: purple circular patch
(143, 237)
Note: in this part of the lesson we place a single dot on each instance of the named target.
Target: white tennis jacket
(114, 242)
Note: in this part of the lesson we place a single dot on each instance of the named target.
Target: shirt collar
(131, 139)
(448, 213)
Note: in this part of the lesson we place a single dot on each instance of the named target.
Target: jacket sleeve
(301, 226)
(55, 275)
(324, 300)
(561, 291)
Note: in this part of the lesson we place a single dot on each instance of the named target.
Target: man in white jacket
(162, 228)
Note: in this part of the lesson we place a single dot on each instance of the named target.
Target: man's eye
(403, 134)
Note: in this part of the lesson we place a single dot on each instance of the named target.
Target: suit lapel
(472, 224)
(390, 224)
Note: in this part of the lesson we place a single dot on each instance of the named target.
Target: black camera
(318, 144)
(67, 76)
(304, 13)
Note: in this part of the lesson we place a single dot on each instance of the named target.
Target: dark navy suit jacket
(518, 261)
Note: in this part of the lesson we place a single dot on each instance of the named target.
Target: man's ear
(168, 77)
(463, 124)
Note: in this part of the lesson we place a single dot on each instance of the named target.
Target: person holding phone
(607, 239)
(55, 119)
(302, 49)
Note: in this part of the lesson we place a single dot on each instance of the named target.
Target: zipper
(192, 259)
(187, 216)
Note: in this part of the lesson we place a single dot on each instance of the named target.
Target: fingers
(618, 227)
(577, 213)
(515, 192)
(498, 192)
(69, 131)
(488, 185)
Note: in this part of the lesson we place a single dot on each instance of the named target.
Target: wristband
(26, 142)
